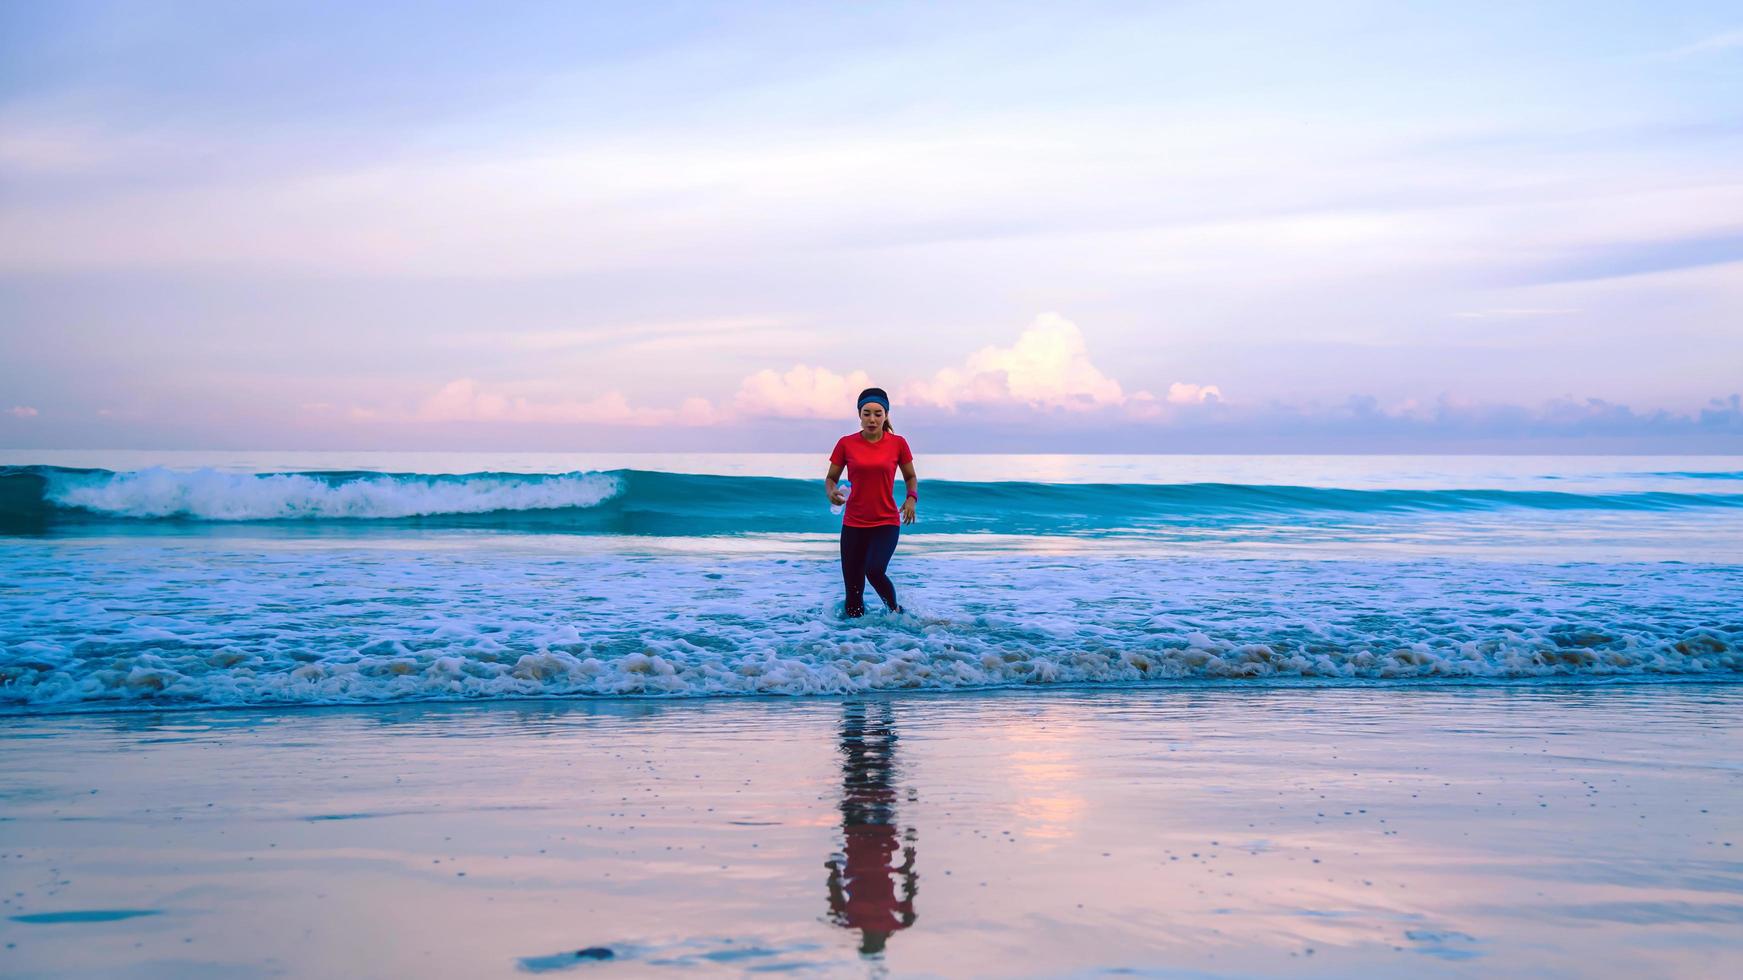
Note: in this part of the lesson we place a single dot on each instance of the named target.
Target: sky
(1090, 227)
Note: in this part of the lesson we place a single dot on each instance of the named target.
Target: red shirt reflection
(868, 889)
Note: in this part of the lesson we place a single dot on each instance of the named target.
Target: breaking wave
(655, 503)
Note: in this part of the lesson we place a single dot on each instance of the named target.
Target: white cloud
(465, 400)
(23, 412)
(1185, 393)
(1707, 45)
(1513, 314)
(802, 392)
(1048, 367)
(701, 331)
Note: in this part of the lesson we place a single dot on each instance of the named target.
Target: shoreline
(1213, 684)
(1557, 830)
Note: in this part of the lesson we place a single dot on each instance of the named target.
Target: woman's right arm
(829, 484)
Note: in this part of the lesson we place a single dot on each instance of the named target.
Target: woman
(871, 524)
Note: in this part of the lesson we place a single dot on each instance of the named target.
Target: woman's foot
(854, 612)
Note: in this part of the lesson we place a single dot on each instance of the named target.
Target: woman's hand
(836, 497)
(908, 511)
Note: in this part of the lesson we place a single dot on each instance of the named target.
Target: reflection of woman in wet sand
(862, 885)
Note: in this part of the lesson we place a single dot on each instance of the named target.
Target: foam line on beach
(93, 629)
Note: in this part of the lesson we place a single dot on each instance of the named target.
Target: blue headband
(879, 399)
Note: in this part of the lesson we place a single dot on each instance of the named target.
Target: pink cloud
(1185, 393)
(1047, 367)
(801, 392)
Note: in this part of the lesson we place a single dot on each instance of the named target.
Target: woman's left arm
(913, 483)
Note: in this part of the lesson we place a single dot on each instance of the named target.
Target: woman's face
(871, 418)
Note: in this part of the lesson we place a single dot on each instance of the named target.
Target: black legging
(865, 553)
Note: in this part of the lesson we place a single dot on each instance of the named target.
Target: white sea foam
(91, 625)
(224, 496)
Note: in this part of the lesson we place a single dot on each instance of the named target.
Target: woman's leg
(879, 548)
(853, 548)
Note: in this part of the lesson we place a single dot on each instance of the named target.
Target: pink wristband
(913, 495)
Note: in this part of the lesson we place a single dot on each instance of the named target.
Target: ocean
(225, 579)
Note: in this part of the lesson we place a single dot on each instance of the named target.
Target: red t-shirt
(871, 467)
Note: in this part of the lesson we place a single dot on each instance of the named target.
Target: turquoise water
(188, 579)
(644, 502)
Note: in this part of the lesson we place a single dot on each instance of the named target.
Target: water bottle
(845, 488)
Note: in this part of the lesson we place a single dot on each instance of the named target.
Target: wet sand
(1548, 831)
